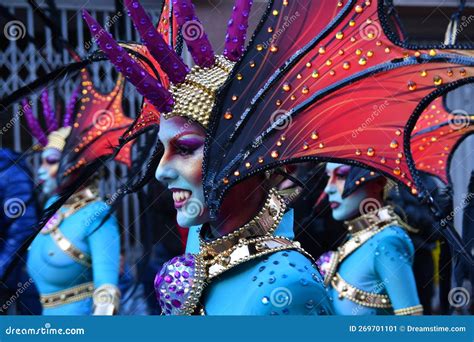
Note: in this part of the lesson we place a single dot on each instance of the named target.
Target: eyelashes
(343, 171)
(184, 151)
(187, 147)
(51, 161)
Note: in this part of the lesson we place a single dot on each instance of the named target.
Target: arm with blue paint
(393, 263)
(104, 244)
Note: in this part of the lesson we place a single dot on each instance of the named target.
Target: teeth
(181, 195)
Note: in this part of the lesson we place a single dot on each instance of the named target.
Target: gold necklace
(76, 202)
(264, 223)
(361, 229)
(183, 279)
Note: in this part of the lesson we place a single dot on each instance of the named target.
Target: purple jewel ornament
(174, 282)
(52, 222)
(324, 262)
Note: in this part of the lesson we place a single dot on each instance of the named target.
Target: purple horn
(147, 85)
(68, 116)
(237, 30)
(169, 61)
(48, 112)
(193, 33)
(33, 124)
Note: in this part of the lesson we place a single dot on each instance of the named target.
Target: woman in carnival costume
(293, 96)
(371, 272)
(252, 250)
(228, 111)
(74, 260)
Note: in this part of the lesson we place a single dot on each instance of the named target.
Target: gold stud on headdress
(195, 97)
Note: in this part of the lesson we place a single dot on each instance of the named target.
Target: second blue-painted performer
(371, 272)
(74, 260)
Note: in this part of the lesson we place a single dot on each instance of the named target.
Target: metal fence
(22, 62)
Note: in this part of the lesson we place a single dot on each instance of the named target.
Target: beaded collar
(361, 229)
(182, 280)
(76, 202)
(376, 217)
(265, 223)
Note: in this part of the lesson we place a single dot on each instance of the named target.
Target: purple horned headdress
(175, 101)
(237, 29)
(49, 114)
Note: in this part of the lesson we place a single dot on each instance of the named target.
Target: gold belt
(368, 299)
(70, 295)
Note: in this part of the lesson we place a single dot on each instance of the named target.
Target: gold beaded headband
(57, 139)
(195, 97)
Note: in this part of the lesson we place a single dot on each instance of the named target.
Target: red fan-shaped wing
(436, 135)
(99, 124)
(341, 91)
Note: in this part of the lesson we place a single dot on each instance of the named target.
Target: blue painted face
(343, 208)
(180, 168)
(48, 170)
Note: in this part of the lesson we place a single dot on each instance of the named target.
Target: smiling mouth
(180, 197)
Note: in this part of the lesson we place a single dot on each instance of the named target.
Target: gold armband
(106, 300)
